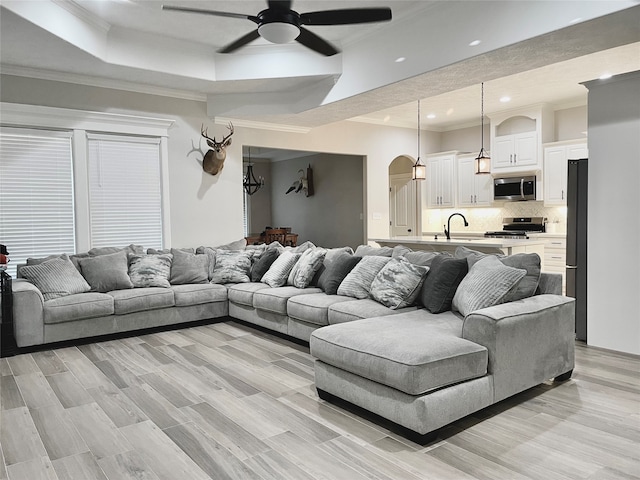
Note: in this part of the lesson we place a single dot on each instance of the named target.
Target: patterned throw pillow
(357, 283)
(107, 272)
(398, 284)
(231, 267)
(279, 270)
(306, 267)
(487, 283)
(55, 278)
(150, 270)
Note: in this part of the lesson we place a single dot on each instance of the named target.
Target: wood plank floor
(225, 401)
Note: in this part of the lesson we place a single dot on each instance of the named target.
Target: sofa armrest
(28, 313)
(529, 341)
(550, 283)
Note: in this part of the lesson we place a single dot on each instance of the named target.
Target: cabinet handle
(471, 200)
(475, 199)
(511, 158)
(562, 195)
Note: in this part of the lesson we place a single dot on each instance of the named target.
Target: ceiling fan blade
(314, 42)
(346, 16)
(280, 4)
(211, 12)
(241, 42)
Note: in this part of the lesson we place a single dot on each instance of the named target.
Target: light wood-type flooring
(226, 401)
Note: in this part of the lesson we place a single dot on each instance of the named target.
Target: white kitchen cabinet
(473, 190)
(556, 156)
(439, 184)
(517, 137)
(555, 255)
(518, 150)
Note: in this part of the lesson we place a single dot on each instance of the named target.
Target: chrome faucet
(447, 228)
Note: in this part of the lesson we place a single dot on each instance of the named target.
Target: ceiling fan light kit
(280, 24)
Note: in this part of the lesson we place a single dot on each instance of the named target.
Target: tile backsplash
(488, 219)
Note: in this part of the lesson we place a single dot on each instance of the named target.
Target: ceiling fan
(279, 24)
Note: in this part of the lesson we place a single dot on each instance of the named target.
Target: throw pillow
(237, 245)
(150, 270)
(399, 251)
(231, 267)
(398, 284)
(487, 284)
(55, 278)
(357, 283)
(306, 267)
(420, 257)
(527, 261)
(278, 273)
(107, 272)
(335, 271)
(262, 265)
(441, 282)
(328, 259)
(188, 267)
(366, 250)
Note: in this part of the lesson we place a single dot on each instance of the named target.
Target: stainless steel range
(518, 227)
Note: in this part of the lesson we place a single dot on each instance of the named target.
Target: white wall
(613, 281)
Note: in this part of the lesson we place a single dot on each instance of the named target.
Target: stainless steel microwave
(513, 189)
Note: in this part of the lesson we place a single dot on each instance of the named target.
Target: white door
(402, 205)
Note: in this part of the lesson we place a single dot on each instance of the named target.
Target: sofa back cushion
(188, 268)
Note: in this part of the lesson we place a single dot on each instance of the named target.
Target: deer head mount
(213, 160)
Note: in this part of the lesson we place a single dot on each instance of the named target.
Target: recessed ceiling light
(431, 116)
(450, 111)
(400, 59)
(474, 43)
(505, 99)
(605, 76)
(386, 118)
(575, 20)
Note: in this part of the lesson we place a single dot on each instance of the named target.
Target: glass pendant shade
(483, 160)
(419, 170)
(279, 32)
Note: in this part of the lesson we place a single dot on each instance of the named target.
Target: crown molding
(77, 11)
(276, 127)
(90, 81)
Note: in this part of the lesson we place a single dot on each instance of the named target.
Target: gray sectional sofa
(412, 360)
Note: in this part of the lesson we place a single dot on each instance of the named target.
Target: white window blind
(125, 200)
(36, 194)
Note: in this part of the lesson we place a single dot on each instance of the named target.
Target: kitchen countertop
(460, 241)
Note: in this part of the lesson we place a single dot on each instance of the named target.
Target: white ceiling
(135, 45)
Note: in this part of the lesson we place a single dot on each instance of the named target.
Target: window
(125, 198)
(36, 194)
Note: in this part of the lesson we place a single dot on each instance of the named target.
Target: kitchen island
(506, 246)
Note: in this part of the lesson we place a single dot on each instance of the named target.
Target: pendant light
(249, 182)
(419, 170)
(483, 160)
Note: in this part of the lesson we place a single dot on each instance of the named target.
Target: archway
(405, 214)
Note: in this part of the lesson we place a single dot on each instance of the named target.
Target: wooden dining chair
(275, 235)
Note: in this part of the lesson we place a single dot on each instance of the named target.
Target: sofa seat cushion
(358, 309)
(198, 293)
(242, 293)
(78, 307)
(275, 299)
(141, 299)
(401, 351)
(313, 307)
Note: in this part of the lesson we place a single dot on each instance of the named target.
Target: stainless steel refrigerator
(577, 241)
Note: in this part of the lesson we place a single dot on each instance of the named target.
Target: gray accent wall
(332, 217)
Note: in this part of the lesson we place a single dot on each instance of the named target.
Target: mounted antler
(214, 159)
